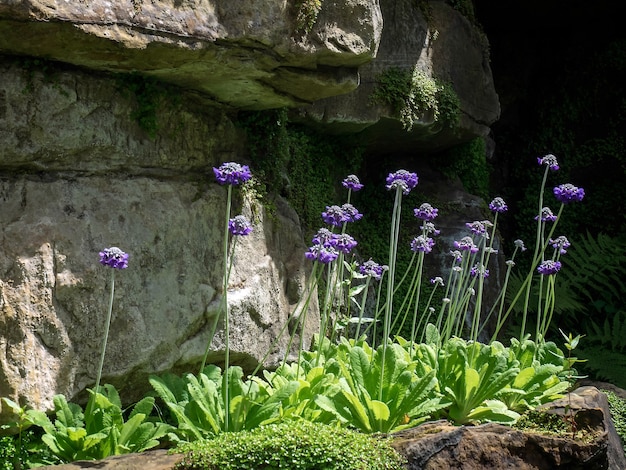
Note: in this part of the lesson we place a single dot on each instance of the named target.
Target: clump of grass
(542, 423)
(296, 445)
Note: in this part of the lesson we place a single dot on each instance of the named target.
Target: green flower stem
(362, 307)
(106, 331)
(393, 248)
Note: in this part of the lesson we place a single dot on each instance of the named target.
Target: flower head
(438, 281)
(351, 213)
(429, 229)
(567, 193)
(373, 269)
(422, 243)
(232, 173)
(239, 225)
(546, 215)
(519, 244)
(343, 242)
(560, 243)
(479, 268)
(323, 254)
(549, 267)
(323, 237)
(550, 161)
(352, 182)
(114, 258)
(466, 244)
(402, 179)
(457, 255)
(498, 205)
(334, 215)
(478, 228)
(426, 212)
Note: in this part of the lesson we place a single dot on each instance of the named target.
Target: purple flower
(232, 173)
(498, 205)
(239, 225)
(343, 242)
(560, 243)
(352, 182)
(549, 267)
(479, 268)
(567, 193)
(546, 215)
(402, 179)
(479, 228)
(323, 254)
(466, 244)
(429, 229)
(334, 215)
(323, 237)
(437, 281)
(114, 258)
(422, 243)
(457, 255)
(550, 161)
(372, 269)
(426, 212)
(351, 213)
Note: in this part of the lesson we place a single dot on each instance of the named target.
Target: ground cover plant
(361, 373)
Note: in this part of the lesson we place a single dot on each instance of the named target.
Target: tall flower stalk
(401, 182)
(115, 259)
(229, 174)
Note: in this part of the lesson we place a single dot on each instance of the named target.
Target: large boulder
(79, 175)
(442, 43)
(245, 54)
(594, 444)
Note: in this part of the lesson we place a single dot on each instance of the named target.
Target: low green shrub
(295, 445)
(618, 414)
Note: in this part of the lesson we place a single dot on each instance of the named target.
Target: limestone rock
(444, 45)
(440, 445)
(79, 176)
(246, 54)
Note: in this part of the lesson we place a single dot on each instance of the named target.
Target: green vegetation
(617, 406)
(306, 16)
(297, 445)
(149, 95)
(298, 163)
(412, 94)
(468, 162)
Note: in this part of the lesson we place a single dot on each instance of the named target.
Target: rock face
(439, 41)
(245, 54)
(78, 174)
(440, 445)
(99, 182)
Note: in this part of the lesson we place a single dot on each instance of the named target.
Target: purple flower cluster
(546, 215)
(422, 243)
(352, 182)
(426, 212)
(352, 214)
(232, 173)
(402, 179)
(479, 269)
(239, 225)
(338, 215)
(550, 161)
(327, 245)
(498, 205)
(549, 267)
(372, 269)
(567, 193)
(479, 227)
(429, 229)
(560, 243)
(466, 244)
(114, 258)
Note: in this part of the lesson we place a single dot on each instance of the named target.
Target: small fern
(612, 334)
